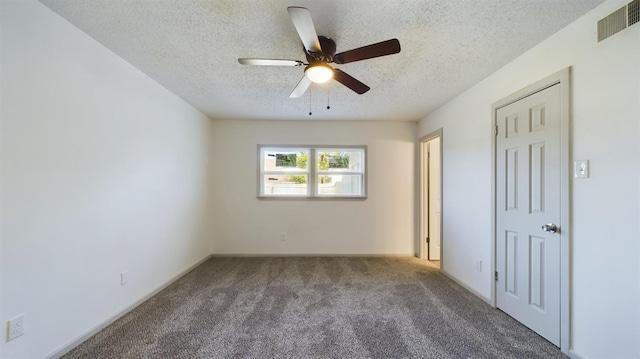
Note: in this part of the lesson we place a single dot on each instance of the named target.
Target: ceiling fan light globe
(320, 73)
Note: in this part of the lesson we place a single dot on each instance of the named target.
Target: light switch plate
(581, 169)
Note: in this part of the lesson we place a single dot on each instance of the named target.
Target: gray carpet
(315, 308)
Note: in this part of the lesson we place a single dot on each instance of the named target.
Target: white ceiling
(191, 47)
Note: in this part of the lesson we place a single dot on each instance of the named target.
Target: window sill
(308, 198)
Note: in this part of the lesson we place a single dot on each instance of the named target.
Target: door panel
(511, 173)
(434, 199)
(424, 200)
(511, 264)
(536, 182)
(536, 284)
(528, 196)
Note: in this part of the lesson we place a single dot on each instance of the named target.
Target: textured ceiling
(191, 47)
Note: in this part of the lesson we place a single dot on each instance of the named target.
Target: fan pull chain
(310, 113)
(328, 95)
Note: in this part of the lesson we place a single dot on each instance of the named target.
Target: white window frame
(312, 172)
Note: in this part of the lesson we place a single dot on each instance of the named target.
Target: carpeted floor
(315, 308)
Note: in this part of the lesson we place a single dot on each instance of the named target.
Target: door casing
(423, 229)
(563, 79)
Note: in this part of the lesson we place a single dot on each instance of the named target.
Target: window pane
(283, 160)
(285, 185)
(337, 185)
(340, 161)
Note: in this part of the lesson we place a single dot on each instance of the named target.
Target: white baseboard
(574, 355)
(473, 291)
(92, 331)
(273, 255)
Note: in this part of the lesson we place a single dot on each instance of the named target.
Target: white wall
(103, 171)
(383, 224)
(606, 207)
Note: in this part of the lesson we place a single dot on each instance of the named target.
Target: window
(312, 172)
(284, 172)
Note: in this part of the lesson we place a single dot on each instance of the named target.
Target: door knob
(550, 227)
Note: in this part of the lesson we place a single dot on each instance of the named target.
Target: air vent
(634, 12)
(619, 20)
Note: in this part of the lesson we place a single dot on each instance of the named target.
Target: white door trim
(563, 78)
(422, 246)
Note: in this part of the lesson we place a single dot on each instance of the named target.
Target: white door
(434, 198)
(528, 198)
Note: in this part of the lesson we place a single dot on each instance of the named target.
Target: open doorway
(431, 198)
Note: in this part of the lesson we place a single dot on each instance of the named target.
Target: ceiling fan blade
(346, 79)
(270, 62)
(301, 87)
(301, 19)
(383, 48)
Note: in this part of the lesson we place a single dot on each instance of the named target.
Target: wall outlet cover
(16, 327)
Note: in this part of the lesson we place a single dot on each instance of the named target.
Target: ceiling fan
(320, 52)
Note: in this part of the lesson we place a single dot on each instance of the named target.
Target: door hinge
(495, 130)
(427, 239)
(496, 276)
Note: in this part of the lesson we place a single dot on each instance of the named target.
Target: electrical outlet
(124, 278)
(479, 266)
(16, 327)
(283, 237)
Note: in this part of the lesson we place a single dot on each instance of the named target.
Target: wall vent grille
(619, 20)
(634, 12)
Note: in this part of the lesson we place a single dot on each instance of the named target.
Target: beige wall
(103, 171)
(382, 224)
(606, 207)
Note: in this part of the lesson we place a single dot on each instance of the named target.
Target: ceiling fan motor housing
(328, 50)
